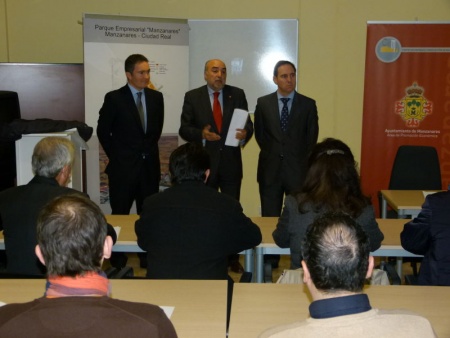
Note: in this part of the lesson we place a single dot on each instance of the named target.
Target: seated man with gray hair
(336, 263)
(72, 243)
(52, 163)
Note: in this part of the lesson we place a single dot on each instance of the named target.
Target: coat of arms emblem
(414, 107)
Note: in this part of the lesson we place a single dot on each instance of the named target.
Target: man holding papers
(207, 119)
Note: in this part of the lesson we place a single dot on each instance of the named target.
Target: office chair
(414, 168)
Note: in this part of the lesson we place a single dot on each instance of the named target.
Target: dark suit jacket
(19, 210)
(284, 154)
(120, 133)
(197, 113)
(429, 234)
(189, 230)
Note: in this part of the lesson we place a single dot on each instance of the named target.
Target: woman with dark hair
(331, 184)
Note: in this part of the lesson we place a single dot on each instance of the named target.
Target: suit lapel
(149, 108)
(275, 115)
(294, 114)
(206, 107)
(227, 109)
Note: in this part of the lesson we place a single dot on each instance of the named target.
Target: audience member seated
(52, 162)
(429, 234)
(190, 229)
(336, 263)
(331, 184)
(72, 243)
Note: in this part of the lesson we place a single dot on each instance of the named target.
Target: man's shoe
(235, 266)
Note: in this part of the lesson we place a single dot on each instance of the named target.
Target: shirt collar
(212, 91)
(291, 96)
(134, 91)
(43, 180)
(339, 306)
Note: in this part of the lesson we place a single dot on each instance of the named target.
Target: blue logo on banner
(388, 49)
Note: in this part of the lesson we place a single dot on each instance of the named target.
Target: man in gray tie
(129, 127)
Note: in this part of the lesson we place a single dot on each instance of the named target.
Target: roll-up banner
(406, 97)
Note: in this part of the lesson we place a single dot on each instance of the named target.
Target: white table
(407, 203)
(390, 247)
(127, 239)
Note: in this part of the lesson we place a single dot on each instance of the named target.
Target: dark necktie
(284, 114)
(217, 112)
(140, 108)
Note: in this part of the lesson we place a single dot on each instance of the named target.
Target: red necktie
(217, 111)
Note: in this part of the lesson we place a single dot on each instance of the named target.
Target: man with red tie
(206, 116)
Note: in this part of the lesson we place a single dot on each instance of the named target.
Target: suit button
(281, 156)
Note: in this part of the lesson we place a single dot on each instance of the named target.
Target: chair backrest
(416, 168)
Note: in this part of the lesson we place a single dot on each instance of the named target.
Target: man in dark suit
(429, 234)
(199, 124)
(286, 129)
(189, 229)
(129, 127)
(285, 137)
(20, 206)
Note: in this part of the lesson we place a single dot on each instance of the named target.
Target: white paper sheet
(117, 231)
(168, 310)
(237, 122)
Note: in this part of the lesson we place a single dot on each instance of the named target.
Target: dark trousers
(124, 191)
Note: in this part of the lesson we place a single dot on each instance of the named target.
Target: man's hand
(241, 134)
(209, 135)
